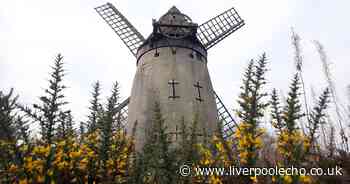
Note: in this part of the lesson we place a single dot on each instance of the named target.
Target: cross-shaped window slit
(198, 86)
(172, 84)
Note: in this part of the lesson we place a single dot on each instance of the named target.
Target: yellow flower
(284, 136)
(38, 165)
(287, 179)
(242, 142)
(90, 154)
(258, 142)
(254, 179)
(29, 166)
(206, 161)
(50, 172)
(61, 143)
(219, 147)
(84, 161)
(243, 154)
(305, 179)
(273, 179)
(237, 134)
(41, 150)
(62, 165)
(263, 130)
(75, 154)
(110, 163)
(215, 180)
(113, 146)
(307, 144)
(24, 148)
(23, 181)
(28, 159)
(83, 164)
(40, 179)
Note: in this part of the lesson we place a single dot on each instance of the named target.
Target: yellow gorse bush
(69, 161)
(248, 141)
(292, 146)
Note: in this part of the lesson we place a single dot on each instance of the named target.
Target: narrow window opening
(156, 54)
(199, 87)
(172, 84)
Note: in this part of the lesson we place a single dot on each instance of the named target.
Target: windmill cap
(174, 16)
(174, 10)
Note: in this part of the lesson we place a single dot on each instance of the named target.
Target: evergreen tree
(22, 129)
(65, 128)
(13, 134)
(276, 111)
(47, 113)
(292, 144)
(252, 106)
(187, 148)
(250, 99)
(245, 95)
(106, 125)
(12, 126)
(82, 131)
(292, 111)
(95, 108)
(317, 116)
(7, 116)
(249, 133)
(157, 160)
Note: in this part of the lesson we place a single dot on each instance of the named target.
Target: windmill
(172, 70)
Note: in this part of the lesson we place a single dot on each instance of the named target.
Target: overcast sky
(33, 32)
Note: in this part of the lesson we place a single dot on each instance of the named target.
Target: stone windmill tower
(172, 70)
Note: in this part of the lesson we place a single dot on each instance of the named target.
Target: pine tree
(95, 108)
(47, 113)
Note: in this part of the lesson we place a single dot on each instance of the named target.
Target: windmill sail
(219, 27)
(122, 110)
(228, 123)
(120, 25)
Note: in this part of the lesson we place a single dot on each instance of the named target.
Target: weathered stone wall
(151, 84)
